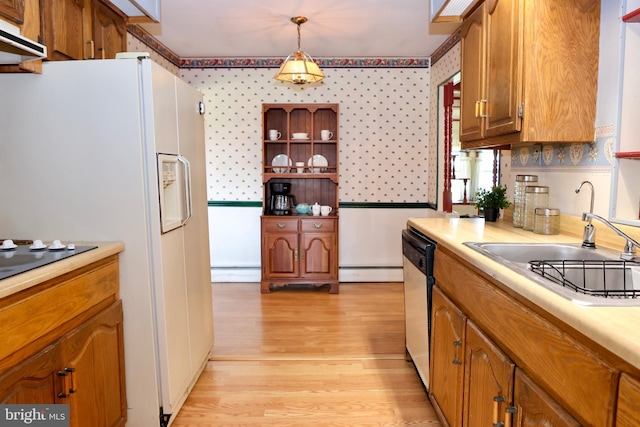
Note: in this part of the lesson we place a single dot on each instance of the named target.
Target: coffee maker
(281, 202)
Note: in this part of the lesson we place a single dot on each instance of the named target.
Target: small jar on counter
(546, 221)
(522, 181)
(535, 197)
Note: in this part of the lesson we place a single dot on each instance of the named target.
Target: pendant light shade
(299, 68)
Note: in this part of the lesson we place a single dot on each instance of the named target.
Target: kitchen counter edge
(22, 281)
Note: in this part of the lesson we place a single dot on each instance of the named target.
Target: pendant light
(299, 67)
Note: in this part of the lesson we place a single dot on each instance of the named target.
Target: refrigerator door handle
(187, 188)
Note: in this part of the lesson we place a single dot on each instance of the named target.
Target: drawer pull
(317, 225)
(456, 344)
(281, 225)
(68, 382)
(497, 400)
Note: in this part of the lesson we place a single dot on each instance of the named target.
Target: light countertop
(25, 280)
(615, 328)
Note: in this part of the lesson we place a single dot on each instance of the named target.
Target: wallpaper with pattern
(384, 129)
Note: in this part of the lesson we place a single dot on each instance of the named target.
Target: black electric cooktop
(22, 259)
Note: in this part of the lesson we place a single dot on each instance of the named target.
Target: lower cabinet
(494, 361)
(488, 381)
(35, 380)
(535, 407)
(93, 357)
(474, 383)
(298, 250)
(447, 358)
(84, 369)
(628, 412)
(62, 342)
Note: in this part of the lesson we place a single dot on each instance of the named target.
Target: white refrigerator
(79, 149)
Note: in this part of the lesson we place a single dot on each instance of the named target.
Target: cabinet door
(63, 28)
(317, 253)
(94, 357)
(502, 65)
(472, 76)
(628, 413)
(488, 381)
(280, 255)
(35, 380)
(109, 31)
(447, 358)
(535, 407)
(12, 9)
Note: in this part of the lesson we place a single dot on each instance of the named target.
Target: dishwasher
(417, 267)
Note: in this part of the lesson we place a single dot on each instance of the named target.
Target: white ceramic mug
(315, 209)
(274, 135)
(326, 135)
(300, 167)
(325, 210)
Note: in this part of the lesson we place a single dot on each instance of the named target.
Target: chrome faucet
(589, 234)
(629, 252)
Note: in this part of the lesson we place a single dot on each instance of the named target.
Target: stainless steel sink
(585, 276)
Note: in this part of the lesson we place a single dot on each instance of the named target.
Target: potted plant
(491, 201)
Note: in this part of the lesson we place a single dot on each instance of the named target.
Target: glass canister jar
(546, 221)
(535, 196)
(522, 181)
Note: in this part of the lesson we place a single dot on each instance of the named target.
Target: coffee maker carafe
(281, 202)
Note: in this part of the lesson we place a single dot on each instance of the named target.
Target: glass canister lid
(536, 189)
(547, 212)
(526, 178)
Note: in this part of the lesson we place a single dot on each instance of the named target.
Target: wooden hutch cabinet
(300, 249)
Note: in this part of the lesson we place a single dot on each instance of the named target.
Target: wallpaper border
(364, 62)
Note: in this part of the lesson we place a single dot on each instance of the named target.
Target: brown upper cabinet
(529, 72)
(81, 29)
(13, 10)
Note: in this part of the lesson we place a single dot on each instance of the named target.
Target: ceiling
(262, 28)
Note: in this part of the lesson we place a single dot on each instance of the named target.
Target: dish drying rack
(619, 286)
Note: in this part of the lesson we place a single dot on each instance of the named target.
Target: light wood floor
(304, 357)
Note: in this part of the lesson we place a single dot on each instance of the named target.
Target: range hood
(15, 48)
